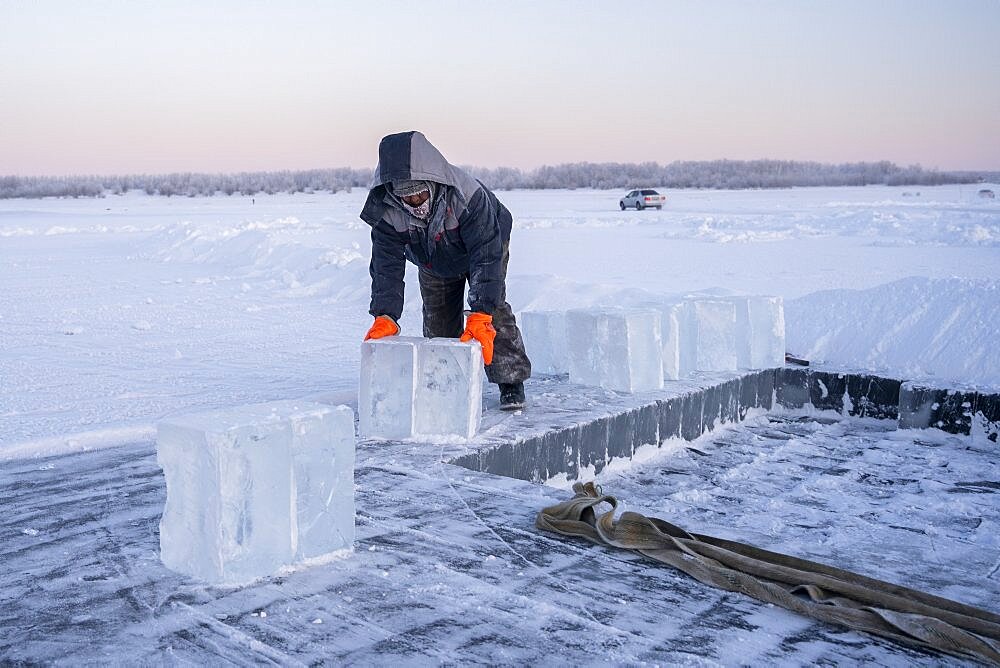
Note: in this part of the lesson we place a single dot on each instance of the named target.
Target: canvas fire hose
(822, 592)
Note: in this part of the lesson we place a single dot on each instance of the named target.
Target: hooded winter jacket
(465, 233)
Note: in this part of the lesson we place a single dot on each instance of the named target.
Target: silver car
(641, 199)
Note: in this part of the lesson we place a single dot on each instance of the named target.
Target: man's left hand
(479, 326)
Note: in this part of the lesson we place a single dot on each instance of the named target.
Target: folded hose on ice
(823, 592)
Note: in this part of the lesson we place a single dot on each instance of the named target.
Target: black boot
(511, 396)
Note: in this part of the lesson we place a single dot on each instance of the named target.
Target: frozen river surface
(115, 313)
(448, 567)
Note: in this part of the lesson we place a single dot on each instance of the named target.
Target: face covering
(422, 211)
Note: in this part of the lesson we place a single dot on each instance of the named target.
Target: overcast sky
(125, 87)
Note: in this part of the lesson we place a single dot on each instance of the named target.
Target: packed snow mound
(884, 227)
(914, 328)
(292, 254)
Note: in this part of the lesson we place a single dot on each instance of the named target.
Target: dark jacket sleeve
(387, 269)
(483, 239)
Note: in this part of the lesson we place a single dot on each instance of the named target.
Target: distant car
(641, 199)
(986, 193)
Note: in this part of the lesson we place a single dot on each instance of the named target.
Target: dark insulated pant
(444, 304)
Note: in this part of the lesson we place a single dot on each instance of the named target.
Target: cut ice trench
(874, 477)
(574, 432)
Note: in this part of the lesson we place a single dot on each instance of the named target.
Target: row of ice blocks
(411, 386)
(613, 348)
(255, 488)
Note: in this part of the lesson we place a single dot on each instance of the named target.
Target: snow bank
(914, 328)
(884, 227)
(96, 439)
(284, 250)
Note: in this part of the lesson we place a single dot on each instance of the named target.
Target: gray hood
(408, 156)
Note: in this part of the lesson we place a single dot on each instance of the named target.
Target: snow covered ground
(116, 312)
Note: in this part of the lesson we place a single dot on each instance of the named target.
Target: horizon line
(523, 170)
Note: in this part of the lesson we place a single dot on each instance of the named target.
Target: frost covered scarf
(423, 211)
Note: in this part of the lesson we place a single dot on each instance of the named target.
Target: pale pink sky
(111, 87)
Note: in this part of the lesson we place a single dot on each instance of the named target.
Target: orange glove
(479, 326)
(383, 326)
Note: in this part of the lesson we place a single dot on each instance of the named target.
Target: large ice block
(388, 382)
(767, 324)
(449, 388)
(678, 347)
(760, 331)
(412, 385)
(544, 334)
(585, 347)
(255, 488)
(618, 349)
(711, 333)
(323, 460)
(678, 359)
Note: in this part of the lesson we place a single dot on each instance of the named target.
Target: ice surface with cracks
(449, 568)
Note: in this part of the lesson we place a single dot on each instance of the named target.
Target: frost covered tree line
(728, 174)
(186, 184)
